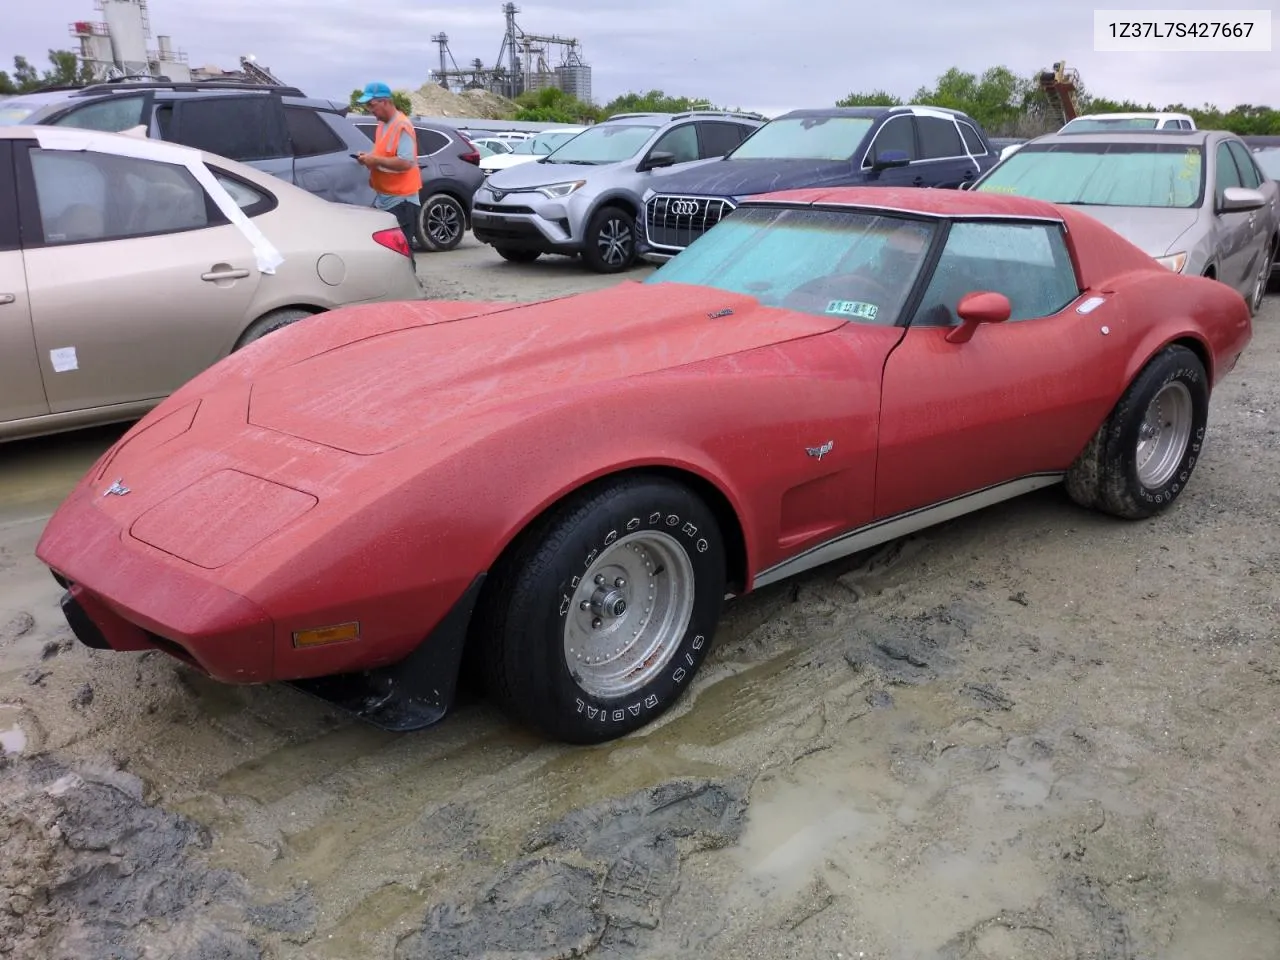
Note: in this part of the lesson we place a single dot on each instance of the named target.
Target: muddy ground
(1031, 733)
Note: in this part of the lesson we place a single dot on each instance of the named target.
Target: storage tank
(127, 22)
(575, 80)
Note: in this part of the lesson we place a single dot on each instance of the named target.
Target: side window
(1225, 172)
(939, 139)
(85, 196)
(896, 134)
(718, 138)
(248, 198)
(309, 135)
(368, 129)
(972, 142)
(1244, 163)
(237, 127)
(430, 141)
(682, 142)
(1028, 263)
(110, 115)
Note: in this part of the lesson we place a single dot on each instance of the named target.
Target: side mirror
(659, 158)
(1239, 199)
(979, 307)
(890, 158)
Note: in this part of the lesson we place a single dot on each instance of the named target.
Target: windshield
(805, 138)
(1081, 124)
(1103, 174)
(1269, 160)
(14, 112)
(544, 143)
(604, 143)
(853, 265)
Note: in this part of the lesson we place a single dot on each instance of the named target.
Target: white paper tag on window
(64, 359)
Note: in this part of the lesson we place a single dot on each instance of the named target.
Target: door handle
(224, 275)
(7, 298)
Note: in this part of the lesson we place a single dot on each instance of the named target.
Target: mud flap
(415, 693)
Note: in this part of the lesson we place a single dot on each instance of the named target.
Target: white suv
(584, 197)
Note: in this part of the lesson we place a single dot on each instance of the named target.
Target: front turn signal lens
(320, 636)
(1174, 261)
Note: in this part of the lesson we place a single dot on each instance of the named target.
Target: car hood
(1156, 230)
(463, 378)
(742, 178)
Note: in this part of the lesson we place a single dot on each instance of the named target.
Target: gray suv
(584, 198)
(304, 140)
(450, 166)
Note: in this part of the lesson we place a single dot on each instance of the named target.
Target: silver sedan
(1195, 200)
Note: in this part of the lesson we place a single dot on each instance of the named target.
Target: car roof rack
(683, 114)
(129, 83)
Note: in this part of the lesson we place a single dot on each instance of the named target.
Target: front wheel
(597, 622)
(441, 223)
(1262, 280)
(609, 242)
(1142, 456)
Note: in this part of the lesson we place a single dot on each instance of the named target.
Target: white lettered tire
(596, 622)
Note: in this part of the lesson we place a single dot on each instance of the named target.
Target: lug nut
(597, 623)
(584, 605)
(620, 583)
(600, 579)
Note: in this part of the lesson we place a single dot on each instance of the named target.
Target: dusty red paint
(369, 464)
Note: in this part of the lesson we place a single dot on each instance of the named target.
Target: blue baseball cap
(375, 91)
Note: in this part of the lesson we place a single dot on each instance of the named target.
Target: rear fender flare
(1157, 340)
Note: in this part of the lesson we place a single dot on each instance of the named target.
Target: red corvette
(569, 490)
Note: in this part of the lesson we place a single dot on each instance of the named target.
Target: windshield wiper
(579, 163)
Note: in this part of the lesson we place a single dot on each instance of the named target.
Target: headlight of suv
(555, 191)
(1174, 261)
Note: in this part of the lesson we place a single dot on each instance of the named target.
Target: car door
(1016, 401)
(896, 133)
(1264, 220)
(23, 394)
(944, 161)
(321, 161)
(1233, 229)
(136, 280)
(682, 142)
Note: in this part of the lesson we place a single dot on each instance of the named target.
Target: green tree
(877, 98)
(553, 105)
(654, 101)
(67, 71)
(1007, 104)
(399, 97)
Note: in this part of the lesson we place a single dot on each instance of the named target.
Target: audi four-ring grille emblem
(683, 208)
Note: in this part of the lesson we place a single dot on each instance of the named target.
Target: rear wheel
(514, 255)
(596, 623)
(441, 223)
(609, 242)
(1142, 456)
(269, 323)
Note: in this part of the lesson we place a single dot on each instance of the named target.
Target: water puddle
(37, 474)
(13, 739)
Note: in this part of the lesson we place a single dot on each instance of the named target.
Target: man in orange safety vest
(393, 162)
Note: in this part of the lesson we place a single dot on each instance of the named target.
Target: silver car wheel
(1164, 434)
(614, 241)
(442, 223)
(629, 615)
(1264, 277)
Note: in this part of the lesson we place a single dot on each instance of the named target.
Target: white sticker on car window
(64, 359)
(853, 308)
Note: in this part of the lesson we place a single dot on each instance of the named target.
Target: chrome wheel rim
(1264, 274)
(443, 223)
(614, 242)
(1164, 434)
(628, 614)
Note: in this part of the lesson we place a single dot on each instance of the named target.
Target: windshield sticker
(853, 308)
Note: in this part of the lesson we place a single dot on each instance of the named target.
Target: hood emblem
(819, 452)
(497, 194)
(117, 489)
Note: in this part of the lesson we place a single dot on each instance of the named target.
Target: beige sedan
(128, 265)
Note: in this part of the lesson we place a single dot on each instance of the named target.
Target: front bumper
(528, 221)
(132, 601)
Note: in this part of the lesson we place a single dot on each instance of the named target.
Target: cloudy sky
(761, 54)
